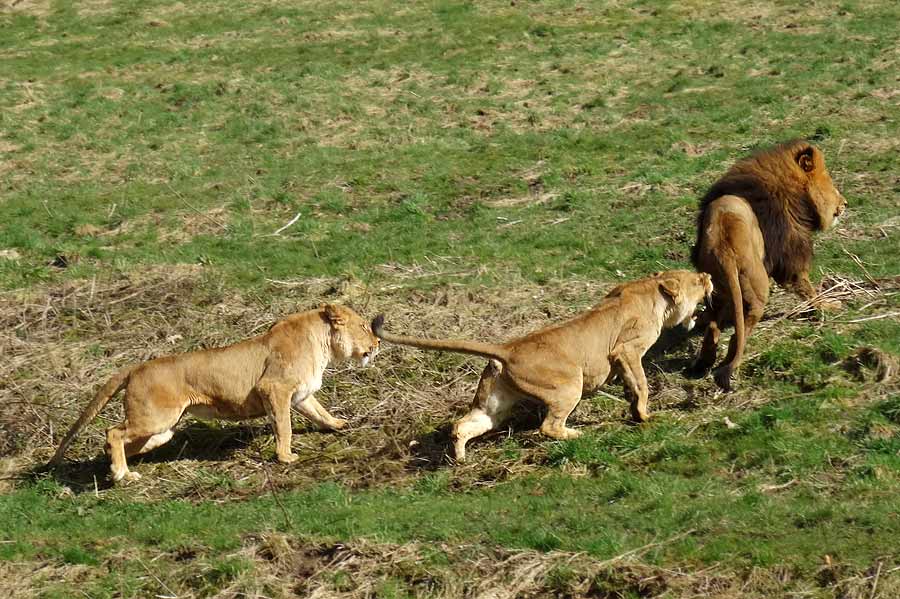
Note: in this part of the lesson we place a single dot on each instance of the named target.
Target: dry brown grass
(288, 566)
(60, 343)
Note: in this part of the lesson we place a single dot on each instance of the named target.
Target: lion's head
(828, 201)
(791, 194)
(351, 336)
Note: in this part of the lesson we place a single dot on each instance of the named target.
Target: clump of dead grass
(62, 341)
(289, 566)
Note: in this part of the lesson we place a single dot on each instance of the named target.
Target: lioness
(758, 221)
(559, 363)
(262, 376)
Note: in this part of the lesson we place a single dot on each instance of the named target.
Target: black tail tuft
(377, 323)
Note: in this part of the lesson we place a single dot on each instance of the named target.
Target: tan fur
(755, 222)
(262, 376)
(559, 363)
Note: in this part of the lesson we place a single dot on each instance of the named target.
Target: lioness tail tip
(377, 323)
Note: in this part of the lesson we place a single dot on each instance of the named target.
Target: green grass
(463, 147)
(264, 112)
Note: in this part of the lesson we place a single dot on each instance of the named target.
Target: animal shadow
(434, 450)
(197, 440)
(661, 353)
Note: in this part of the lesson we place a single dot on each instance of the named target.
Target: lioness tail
(112, 386)
(475, 348)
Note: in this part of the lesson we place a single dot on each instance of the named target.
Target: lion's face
(829, 202)
(685, 289)
(351, 337)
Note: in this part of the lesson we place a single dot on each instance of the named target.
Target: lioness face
(691, 289)
(353, 339)
(829, 202)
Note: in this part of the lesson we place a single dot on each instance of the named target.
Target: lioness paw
(289, 458)
(338, 423)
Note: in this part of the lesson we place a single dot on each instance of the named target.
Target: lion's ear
(671, 288)
(333, 315)
(806, 159)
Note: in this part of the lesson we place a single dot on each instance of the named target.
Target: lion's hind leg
(706, 357)
(491, 407)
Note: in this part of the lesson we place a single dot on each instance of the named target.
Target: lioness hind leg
(560, 403)
(138, 435)
(145, 444)
(491, 407)
(115, 447)
(558, 410)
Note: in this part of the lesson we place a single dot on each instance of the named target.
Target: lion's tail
(737, 301)
(112, 386)
(475, 348)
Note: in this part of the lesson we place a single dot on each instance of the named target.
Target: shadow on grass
(434, 450)
(197, 440)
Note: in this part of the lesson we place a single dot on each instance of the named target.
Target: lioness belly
(250, 408)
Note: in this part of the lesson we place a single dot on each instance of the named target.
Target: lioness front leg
(276, 397)
(312, 409)
(628, 361)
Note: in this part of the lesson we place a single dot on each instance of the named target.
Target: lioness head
(351, 337)
(684, 289)
(828, 201)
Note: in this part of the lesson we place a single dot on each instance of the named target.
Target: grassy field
(176, 175)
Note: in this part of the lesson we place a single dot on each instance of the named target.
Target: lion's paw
(829, 305)
(571, 433)
(722, 376)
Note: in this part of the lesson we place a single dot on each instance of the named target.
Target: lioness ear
(333, 315)
(670, 288)
(806, 159)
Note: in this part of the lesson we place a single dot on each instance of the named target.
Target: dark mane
(773, 183)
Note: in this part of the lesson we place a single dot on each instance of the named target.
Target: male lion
(262, 376)
(754, 222)
(557, 364)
